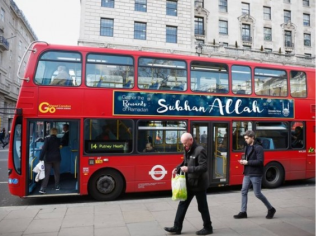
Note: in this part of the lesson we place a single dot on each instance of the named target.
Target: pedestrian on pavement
(253, 173)
(2, 135)
(50, 153)
(194, 166)
(6, 139)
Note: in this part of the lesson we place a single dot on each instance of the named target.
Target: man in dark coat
(253, 173)
(65, 137)
(195, 168)
(50, 153)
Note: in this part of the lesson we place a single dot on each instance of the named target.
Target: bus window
(272, 135)
(59, 69)
(164, 135)
(108, 136)
(239, 129)
(298, 83)
(17, 148)
(109, 71)
(161, 74)
(209, 77)
(241, 79)
(270, 82)
(297, 135)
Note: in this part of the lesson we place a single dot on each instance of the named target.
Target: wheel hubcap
(272, 174)
(105, 184)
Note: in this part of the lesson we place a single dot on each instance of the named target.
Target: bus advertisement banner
(168, 104)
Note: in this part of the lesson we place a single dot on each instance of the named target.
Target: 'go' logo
(45, 107)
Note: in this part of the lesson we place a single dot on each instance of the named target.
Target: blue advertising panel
(155, 104)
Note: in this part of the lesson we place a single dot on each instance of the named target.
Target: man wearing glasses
(194, 166)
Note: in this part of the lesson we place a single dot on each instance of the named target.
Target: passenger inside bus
(106, 134)
(297, 138)
(63, 77)
(149, 148)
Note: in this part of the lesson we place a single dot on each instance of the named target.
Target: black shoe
(173, 230)
(271, 213)
(42, 191)
(57, 187)
(241, 215)
(204, 231)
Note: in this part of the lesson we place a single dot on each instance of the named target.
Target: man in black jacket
(253, 173)
(50, 153)
(195, 167)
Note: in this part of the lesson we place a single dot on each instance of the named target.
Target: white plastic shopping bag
(179, 190)
(39, 169)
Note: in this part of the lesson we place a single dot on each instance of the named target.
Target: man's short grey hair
(250, 133)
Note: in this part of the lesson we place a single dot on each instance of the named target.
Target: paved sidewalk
(295, 216)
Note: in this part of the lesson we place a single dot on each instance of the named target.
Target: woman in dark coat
(52, 158)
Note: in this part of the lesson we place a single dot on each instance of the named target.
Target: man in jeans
(253, 173)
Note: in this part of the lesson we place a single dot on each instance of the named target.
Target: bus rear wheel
(273, 175)
(106, 185)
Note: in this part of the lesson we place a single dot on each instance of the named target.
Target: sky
(53, 21)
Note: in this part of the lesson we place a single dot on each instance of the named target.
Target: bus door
(69, 150)
(214, 137)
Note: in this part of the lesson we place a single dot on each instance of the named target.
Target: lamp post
(199, 49)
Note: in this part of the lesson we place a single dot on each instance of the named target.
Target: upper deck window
(59, 69)
(298, 84)
(270, 82)
(241, 79)
(162, 74)
(209, 77)
(109, 71)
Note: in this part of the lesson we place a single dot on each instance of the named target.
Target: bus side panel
(311, 150)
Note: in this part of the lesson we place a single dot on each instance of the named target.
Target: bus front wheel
(106, 185)
(273, 175)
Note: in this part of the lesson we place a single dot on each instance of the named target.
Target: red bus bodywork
(135, 168)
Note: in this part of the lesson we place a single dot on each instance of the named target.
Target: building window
(199, 26)
(287, 1)
(245, 33)
(223, 27)
(288, 39)
(267, 13)
(141, 5)
(106, 28)
(287, 16)
(199, 3)
(171, 8)
(307, 54)
(200, 41)
(20, 45)
(267, 34)
(245, 9)
(305, 3)
(107, 3)
(307, 40)
(246, 47)
(268, 49)
(224, 44)
(223, 5)
(306, 19)
(171, 34)
(2, 13)
(140, 30)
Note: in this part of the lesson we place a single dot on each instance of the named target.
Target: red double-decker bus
(117, 101)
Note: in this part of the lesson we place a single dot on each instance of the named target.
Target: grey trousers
(56, 169)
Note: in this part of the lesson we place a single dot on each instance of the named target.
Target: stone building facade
(277, 31)
(15, 36)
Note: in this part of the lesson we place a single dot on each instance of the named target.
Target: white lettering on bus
(216, 104)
